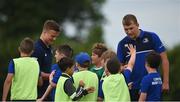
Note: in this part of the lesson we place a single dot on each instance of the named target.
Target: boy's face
(95, 58)
(58, 55)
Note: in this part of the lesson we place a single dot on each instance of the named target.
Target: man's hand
(45, 76)
(165, 87)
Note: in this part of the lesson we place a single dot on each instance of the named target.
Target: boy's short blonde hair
(99, 49)
(108, 55)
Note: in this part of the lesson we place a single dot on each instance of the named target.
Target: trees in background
(18, 17)
(174, 60)
(21, 18)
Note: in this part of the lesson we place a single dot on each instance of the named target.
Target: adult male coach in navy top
(144, 42)
(43, 52)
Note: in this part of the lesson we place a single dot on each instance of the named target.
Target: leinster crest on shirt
(145, 40)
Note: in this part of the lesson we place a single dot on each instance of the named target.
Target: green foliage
(174, 60)
(21, 18)
(85, 44)
(18, 17)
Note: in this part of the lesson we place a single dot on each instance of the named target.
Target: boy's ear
(106, 71)
(137, 24)
(44, 31)
(146, 64)
(102, 61)
(68, 70)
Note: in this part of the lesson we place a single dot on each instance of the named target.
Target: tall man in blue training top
(145, 42)
(43, 52)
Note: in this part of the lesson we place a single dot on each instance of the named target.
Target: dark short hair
(86, 64)
(153, 60)
(51, 25)
(128, 19)
(65, 63)
(113, 65)
(65, 49)
(99, 49)
(26, 45)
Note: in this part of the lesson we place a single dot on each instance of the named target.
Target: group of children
(74, 79)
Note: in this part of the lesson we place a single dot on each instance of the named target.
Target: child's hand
(130, 85)
(132, 49)
(90, 89)
(132, 53)
(39, 100)
(51, 75)
(123, 67)
(81, 83)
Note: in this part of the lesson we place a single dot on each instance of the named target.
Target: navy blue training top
(152, 85)
(145, 43)
(44, 55)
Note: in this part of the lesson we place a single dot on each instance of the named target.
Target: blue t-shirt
(57, 74)
(11, 67)
(152, 85)
(145, 43)
(55, 79)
